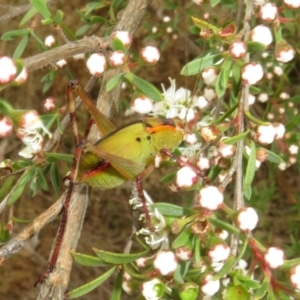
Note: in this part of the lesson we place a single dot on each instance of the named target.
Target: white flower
(210, 76)
(219, 253)
(295, 277)
(96, 64)
(186, 177)
(265, 134)
(61, 63)
(252, 73)
(268, 12)
(150, 55)
(183, 253)
(293, 149)
(79, 56)
(209, 94)
(280, 131)
(263, 97)
(203, 163)
(238, 49)
(165, 262)
(142, 105)
(49, 41)
(208, 286)
(6, 127)
(285, 55)
(274, 257)
(210, 197)
(125, 37)
(153, 289)
(22, 76)
(117, 58)
(292, 3)
(251, 99)
(247, 219)
(8, 70)
(262, 34)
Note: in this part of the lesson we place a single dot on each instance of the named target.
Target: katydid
(123, 154)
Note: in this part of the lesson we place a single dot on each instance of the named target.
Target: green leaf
(213, 3)
(88, 260)
(118, 258)
(18, 189)
(86, 288)
(54, 157)
(114, 81)
(294, 121)
(10, 35)
(235, 139)
(21, 47)
(226, 115)
(143, 86)
(254, 90)
(31, 12)
(117, 44)
(169, 209)
(262, 291)
(98, 19)
(226, 268)
(82, 30)
(58, 17)
(273, 157)
(55, 178)
(168, 178)
(199, 64)
(222, 82)
(4, 234)
(223, 225)
(117, 290)
(6, 186)
(182, 238)
(41, 7)
(250, 171)
(255, 47)
(47, 21)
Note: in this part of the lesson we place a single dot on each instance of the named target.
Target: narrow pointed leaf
(118, 258)
(86, 288)
(199, 64)
(144, 87)
(18, 189)
(117, 290)
(250, 171)
(235, 139)
(41, 7)
(21, 47)
(114, 81)
(88, 260)
(169, 209)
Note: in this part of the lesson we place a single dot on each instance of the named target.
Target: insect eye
(138, 139)
(149, 138)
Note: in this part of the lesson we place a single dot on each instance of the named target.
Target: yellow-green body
(125, 153)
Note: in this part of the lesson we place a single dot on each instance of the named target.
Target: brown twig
(243, 105)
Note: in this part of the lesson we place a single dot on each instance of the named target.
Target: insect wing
(130, 148)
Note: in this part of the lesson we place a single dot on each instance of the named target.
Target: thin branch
(18, 10)
(89, 44)
(238, 191)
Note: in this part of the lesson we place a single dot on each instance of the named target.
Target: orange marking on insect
(159, 128)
